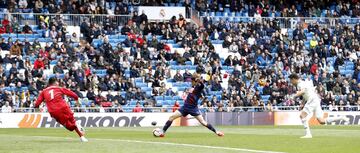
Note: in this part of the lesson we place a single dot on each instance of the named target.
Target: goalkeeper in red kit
(58, 108)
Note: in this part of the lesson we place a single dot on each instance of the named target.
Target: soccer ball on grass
(158, 132)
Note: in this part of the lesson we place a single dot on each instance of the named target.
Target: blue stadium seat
(123, 93)
(170, 80)
(307, 44)
(53, 62)
(158, 105)
(161, 102)
(260, 89)
(265, 97)
(172, 62)
(342, 68)
(176, 46)
(170, 41)
(348, 63)
(167, 98)
(159, 37)
(342, 71)
(148, 93)
(349, 67)
(215, 92)
(181, 88)
(188, 63)
(176, 98)
(159, 98)
(349, 72)
(218, 97)
(146, 89)
(133, 102)
(122, 37)
(138, 80)
(175, 67)
(191, 67)
(139, 84)
(310, 34)
(171, 102)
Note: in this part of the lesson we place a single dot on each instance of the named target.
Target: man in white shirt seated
(6, 108)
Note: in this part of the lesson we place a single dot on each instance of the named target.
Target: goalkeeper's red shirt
(53, 96)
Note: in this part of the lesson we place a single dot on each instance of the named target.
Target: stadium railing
(202, 109)
(77, 19)
(287, 22)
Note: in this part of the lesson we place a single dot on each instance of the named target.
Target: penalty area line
(160, 143)
(190, 145)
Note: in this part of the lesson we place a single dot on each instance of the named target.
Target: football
(153, 123)
(158, 132)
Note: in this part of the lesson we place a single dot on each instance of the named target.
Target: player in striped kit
(191, 107)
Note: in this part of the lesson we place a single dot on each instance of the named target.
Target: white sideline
(163, 143)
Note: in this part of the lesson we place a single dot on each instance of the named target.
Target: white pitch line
(189, 145)
(166, 143)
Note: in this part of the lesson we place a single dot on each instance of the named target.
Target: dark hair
(52, 80)
(293, 76)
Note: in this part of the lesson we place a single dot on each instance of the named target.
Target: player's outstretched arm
(298, 94)
(69, 93)
(39, 100)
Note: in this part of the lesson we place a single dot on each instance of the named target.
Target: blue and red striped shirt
(193, 98)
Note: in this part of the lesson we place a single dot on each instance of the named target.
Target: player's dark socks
(167, 125)
(210, 127)
(78, 132)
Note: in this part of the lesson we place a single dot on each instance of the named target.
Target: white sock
(329, 120)
(305, 122)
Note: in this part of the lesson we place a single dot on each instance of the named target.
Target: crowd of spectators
(283, 8)
(261, 58)
(113, 7)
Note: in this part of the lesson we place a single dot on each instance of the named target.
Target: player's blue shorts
(193, 111)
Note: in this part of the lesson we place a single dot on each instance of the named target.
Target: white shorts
(313, 106)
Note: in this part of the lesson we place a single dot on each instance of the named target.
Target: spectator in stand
(170, 92)
(187, 76)
(6, 108)
(58, 68)
(27, 29)
(15, 49)
(138, 108)
(39, 63)
(140, 95)
(176, 106)
(143, 17)
(178, 77)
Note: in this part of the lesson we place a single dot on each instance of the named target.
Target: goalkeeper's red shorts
(65, 117)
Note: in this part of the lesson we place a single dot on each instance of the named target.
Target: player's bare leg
(329, 120)
(173, 117)
(305, 121)
(209, 126)
(81, 132)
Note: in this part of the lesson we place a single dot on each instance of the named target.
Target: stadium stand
(242, 51)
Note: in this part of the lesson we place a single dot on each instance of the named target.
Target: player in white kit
(307, 90)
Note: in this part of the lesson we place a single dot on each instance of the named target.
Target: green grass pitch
(239, 139)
